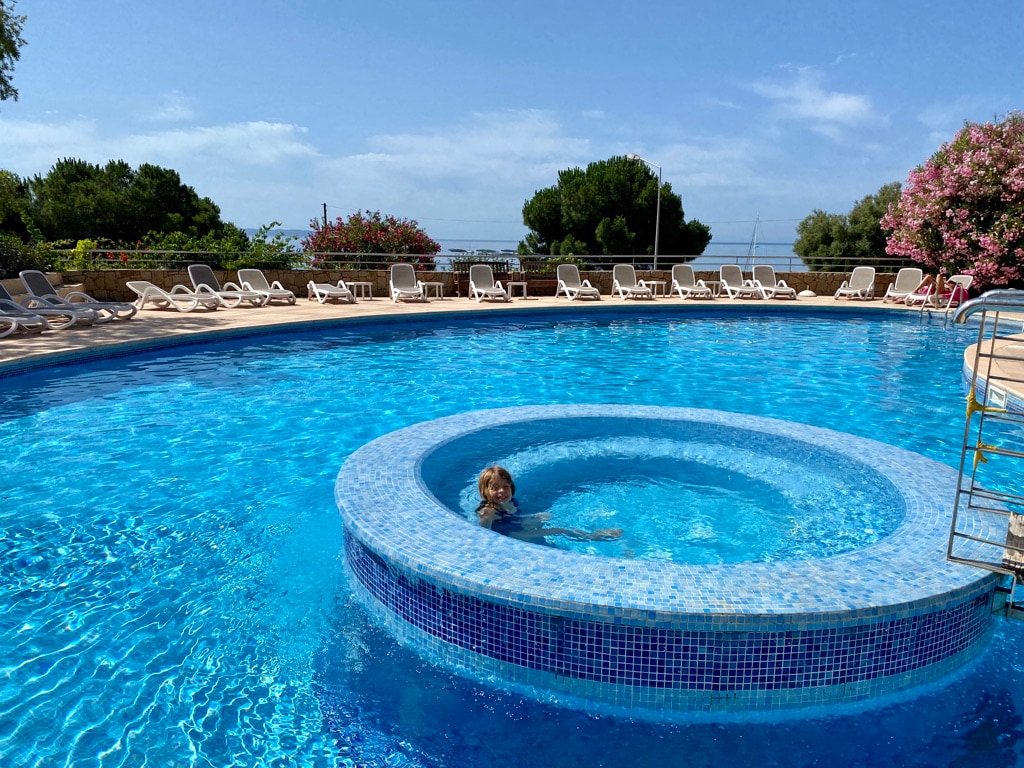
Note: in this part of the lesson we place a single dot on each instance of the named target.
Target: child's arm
(487, 515)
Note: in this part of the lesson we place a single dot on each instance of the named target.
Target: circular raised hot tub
(845, 593)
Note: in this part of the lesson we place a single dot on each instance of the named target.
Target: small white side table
(361, 290)
(432, 286)
(511, 285)
(656, 285)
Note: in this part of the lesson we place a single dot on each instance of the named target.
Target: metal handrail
(1001, 300)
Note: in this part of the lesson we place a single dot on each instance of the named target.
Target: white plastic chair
(686, 286)
(764, 276)
(482, 284)
(730, 277)
(56, 318)
(570, 284)
(955, 292)
(625, 284)
(404, 283)
(907, 280)
(180, 297)
(204, 281)
(43, 295)
(861, 284)
(255, 280)
(324, 292)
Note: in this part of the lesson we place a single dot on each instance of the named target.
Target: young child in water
(499, 511)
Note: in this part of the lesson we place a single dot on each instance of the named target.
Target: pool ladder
(987, 529)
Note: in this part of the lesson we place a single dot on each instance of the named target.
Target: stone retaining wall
(109, 284)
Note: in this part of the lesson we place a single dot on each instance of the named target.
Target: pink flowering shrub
(400, 239)
(963, 210)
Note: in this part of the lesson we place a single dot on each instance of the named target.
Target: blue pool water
(728, 496)
(169, 565)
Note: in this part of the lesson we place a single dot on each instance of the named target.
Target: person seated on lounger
(938, 287)
(499, 511)
(932, 285)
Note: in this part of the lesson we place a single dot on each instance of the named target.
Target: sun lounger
(255, 280)
(482, 284)
(686, 286)
(180, 297)
(324, 292)
(953, 294)
(730, 278)
(861, 284)
(45, 296)
(404, 284)
(14, 321)
(56, 318)
(571, 285)
(764, 277)
(625, 284)
(204, 281)
(907, 280)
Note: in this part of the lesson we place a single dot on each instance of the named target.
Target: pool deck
(21, 351)
(152, 327)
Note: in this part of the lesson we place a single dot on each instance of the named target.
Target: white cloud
(35, 146)
(482, 168)
(174, 107)
(804, 98)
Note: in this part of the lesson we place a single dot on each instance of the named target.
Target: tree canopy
(610, 209)
(11, 43)
(963, 210)
(78, 200)
(836, 241)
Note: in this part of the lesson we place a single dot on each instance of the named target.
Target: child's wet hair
(488, 475)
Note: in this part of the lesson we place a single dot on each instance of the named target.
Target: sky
(454, 112)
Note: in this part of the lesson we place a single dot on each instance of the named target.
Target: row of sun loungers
(44, 309)
(910, 287)
(625, 285)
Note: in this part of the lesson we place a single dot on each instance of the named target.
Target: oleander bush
(963, 210)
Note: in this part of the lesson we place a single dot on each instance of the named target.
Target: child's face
(499, 490)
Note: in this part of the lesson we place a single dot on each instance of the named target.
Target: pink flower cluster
(963, 210)
(368, 232)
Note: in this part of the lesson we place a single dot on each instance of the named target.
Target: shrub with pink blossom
(963, 210)
(395, 239)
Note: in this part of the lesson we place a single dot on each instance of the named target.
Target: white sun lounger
(764, 276)
(861, 284)
(324, 292)
(45, 296)
(730, 278)
(180, 297)
(571, 285)
(625, 284)
(12, 321)
(204, 281)
(56, 318)
(954, 293)
(482, 284)
(255, 280)
(686, 286)
(907, 280)
(404, 284)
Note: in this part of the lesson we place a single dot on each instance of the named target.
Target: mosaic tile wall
(790, 662)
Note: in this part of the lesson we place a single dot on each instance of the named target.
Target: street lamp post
(657, 212)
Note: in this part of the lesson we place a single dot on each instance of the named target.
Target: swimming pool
(171, 578)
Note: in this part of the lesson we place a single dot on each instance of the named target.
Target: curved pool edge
(779, 635)
(155, 330)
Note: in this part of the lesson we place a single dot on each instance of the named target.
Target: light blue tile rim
(386, 506)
